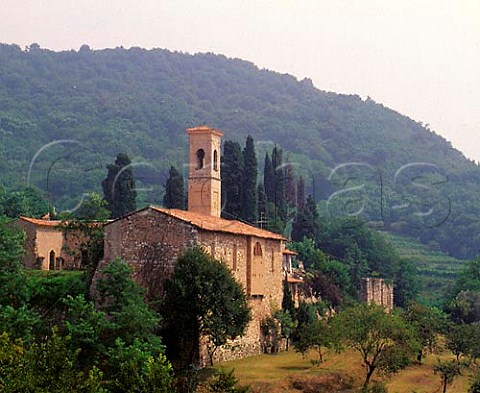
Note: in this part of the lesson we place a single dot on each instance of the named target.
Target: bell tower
(204, 182)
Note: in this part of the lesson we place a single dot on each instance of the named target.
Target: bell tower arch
(204, 181)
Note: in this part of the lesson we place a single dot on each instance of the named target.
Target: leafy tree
(287, 325)
(372, 332)
(475, 386)
(406, 281)
(316, 335)
(468, 279)
(448, 372)
(462, 340)
(16, 318)
(174, 197)
(306, 314)
(465, 307)
(134, 369)
(44, 367)
(28, 202)
(233, 167)
(428, 322)
(250, 173)
(92, 208)
(86, 328)
(119, 187)
(121, 299)
(202, 299)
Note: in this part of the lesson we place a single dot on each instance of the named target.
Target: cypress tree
(249, 210)
(301, 193)
(119, 187)
(306, 223)
(232, 180)
(287, 300)
(174, 197)
(269, 179)
(279, 197)
(290, 189)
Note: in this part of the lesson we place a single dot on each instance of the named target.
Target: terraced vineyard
(437, 270)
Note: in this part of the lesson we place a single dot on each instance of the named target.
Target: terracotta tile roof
(294, 280)
(43, 223)
(211, 223)
(51, 223)
(289, 252)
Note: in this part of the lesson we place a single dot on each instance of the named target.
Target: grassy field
(437, 270)
(290, 372)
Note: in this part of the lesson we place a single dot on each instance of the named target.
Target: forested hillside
(64, 116)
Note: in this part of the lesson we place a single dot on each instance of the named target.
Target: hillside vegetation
(65, 115)
(437, 271)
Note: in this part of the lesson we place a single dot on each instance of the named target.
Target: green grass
(436, 269)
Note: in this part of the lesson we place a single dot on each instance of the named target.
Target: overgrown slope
(95, 104)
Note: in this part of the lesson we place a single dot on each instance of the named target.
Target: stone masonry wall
(235, 252)
(377, 291)
(150, 242)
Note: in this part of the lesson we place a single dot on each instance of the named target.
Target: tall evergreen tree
(174, 197)
(250, 173)
(232, 180)
(279, 197)
(290, 186)
(269, 179)
(306, 223)
(119, 187)
(301, 193)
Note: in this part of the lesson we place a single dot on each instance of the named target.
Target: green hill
(436, 270)
(65, 115)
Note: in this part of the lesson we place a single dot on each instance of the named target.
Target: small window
(257, 250)
(215, 160)
(51, 260)
(200, 158)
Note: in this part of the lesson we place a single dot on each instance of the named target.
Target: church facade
(151, 240)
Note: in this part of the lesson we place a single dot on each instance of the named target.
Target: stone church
(152, 238)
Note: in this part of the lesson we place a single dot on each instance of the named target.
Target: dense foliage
(202, 300)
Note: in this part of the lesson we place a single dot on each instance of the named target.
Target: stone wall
(265, 277)
(377, 291)
(150, 241)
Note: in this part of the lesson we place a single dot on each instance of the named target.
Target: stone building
(48, 246)
(377, 291)
(152, 238)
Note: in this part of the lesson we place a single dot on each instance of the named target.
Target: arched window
(257, 250)
(215, 160)
(200, 158)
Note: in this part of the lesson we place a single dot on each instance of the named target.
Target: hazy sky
(419, 57)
